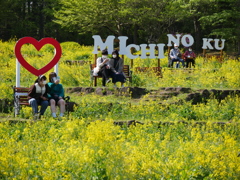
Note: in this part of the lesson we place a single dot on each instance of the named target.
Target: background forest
(143, 21)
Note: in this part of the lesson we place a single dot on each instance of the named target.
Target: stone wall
(195, 96)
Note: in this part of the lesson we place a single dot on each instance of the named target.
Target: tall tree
(189, 14)
(224, 21)
(26, 18)
(151, 17)
(212, 18)
(147, 19)
(8, 18)
(96, 16)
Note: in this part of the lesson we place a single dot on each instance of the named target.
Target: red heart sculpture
(38, 45)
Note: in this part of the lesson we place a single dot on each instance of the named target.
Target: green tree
(210, 18)
(189, 14)
(148, 19)
(27, 18)
(100, 17)
(144, 19)
(224, 21)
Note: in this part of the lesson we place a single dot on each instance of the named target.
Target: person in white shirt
(104, 67)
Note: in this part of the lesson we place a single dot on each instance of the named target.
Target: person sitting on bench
(175, 56)
(37, 95)
(116, 65)
(189, 56)
(56, 95)
(103, 68)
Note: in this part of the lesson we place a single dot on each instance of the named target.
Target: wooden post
(204, 52)
(95, 81)
(221, 55)
(169, 59)
(169, 49)
(95, 58)
(131, 59)
(131, 63)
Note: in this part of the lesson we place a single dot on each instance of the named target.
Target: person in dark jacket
(56, 95)
(189, 56)
(116, 65)
(37, 95)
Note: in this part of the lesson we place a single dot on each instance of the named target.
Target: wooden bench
(170, 60)
(156, 70)
(21, 99)
(126, 70)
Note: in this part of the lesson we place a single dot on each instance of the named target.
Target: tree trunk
(197, 29)
(119, 30)
(238, 29)
(135, 35)
(41, 20)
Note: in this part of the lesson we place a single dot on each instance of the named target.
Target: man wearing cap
(175, 56)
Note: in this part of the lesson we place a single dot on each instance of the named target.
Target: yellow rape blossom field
(87, 143)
